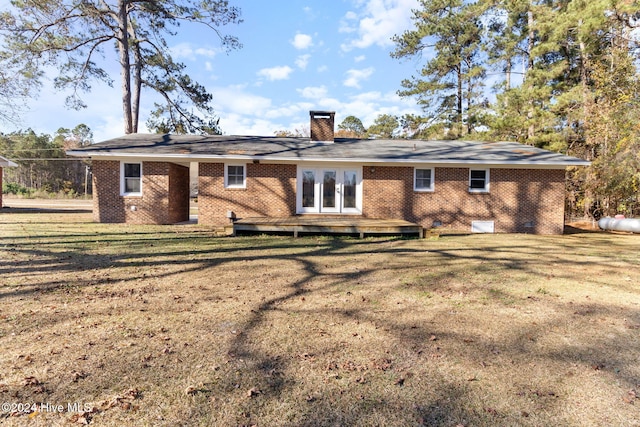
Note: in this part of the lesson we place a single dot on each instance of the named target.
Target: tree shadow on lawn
(400, 378)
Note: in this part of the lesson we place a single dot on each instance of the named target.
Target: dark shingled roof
(285, 149)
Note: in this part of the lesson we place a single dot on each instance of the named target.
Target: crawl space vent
(482, 227)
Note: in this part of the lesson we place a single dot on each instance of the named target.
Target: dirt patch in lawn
(170, 325)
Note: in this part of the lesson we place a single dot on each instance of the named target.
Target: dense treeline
(43, 166)
(562, 74)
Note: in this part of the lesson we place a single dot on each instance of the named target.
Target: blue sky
(298, 55)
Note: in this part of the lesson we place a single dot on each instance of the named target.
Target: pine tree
(449, 87)
(73, 35)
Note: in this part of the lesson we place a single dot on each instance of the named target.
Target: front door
(329, 190)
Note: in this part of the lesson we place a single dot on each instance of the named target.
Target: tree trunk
(530, 41)
(507, 83)
(125, 70)
(584, 84)
(529, 65)
(459, 96)
(137, 82)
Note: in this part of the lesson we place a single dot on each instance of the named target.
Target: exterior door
(329, 190)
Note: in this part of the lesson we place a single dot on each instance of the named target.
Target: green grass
(170, 325)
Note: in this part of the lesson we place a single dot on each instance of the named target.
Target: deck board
(328, 225)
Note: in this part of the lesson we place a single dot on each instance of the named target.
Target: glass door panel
(329, 190)
(349, 189)
(308, 189)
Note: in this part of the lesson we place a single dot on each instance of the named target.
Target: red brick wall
(516, 197)
(163, 199)
(270, 192)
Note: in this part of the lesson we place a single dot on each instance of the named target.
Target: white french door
(329, 190)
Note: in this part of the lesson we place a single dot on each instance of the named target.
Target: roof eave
(6, 163)
(293, 159)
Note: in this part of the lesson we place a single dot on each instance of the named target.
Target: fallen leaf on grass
(191, 390)
(134, 393)
(331, 366)
(491, 411)
(630, 397)
(34, 382)
(353, 367)
(252, 392)
(78, 376)
(28, 381)
(123, 401)
(381, 364)
(306, 356)
(84, 417)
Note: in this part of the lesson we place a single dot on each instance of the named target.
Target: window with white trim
(235, 176)
(423, 179)
(479, 180)
(131, 179)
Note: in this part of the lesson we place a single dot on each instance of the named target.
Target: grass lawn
(170, 325)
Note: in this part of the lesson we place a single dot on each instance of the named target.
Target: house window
(479, 180)
(131, 179)
(423, 179)
(235, 176)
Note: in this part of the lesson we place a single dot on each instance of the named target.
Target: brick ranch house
(4, 163)
(474, 186)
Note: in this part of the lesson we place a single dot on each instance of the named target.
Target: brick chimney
(322, 125)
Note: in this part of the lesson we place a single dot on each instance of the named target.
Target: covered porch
(318, 224)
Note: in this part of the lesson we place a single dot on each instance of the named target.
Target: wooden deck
(328, 225)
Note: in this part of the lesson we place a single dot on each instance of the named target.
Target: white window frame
(122, 179)
(487, 181)
(415, 180)
(226, 175)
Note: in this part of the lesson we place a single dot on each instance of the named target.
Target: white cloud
(187, 51)
(346, 24)
(302, 61)
(359, 58)
(234, 99)
(239, 124)
(289, 110)
(313, 92)
(112, 127)
(377, 21)
(276, 73)
(302, 41)
(367, 97)
(322, 68)
(354, 77)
